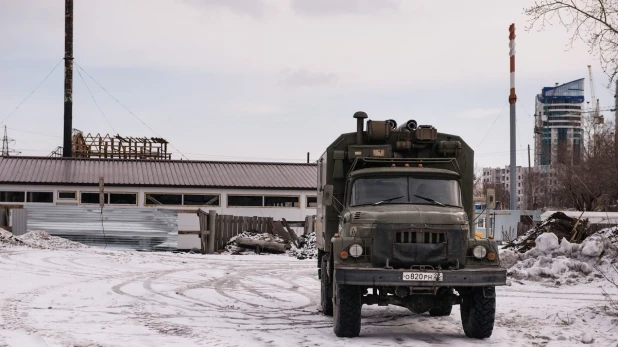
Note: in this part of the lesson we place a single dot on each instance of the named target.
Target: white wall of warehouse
(186, 222)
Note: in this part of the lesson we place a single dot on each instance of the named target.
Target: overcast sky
(275, 79)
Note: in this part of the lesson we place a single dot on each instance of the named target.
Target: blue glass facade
(559, 110)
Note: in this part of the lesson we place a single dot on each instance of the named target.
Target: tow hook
(387, 266)
(489, 292)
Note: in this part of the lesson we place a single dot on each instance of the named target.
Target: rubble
(245, 243)
(562, 226)
(8, 239)
(37, 239)
(564, 262)
(306, 249)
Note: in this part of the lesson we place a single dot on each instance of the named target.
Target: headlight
(356, 250)
(479, 252)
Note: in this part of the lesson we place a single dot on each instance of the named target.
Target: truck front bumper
(479, 277)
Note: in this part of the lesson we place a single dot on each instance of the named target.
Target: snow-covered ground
(93, 297)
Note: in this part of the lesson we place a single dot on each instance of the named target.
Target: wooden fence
(227, 227)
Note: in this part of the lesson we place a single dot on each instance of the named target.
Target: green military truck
(395, 227)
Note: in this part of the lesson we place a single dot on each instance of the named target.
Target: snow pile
(559, 224)
(306, 249)
(564, 262)
(7, 239)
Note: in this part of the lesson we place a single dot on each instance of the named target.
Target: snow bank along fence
(225, 227)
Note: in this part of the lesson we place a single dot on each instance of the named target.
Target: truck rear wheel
(443, 309)
(326, 290)
(347, 310)
(478, 312)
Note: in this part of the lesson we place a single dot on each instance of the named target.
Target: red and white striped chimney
(512, 96)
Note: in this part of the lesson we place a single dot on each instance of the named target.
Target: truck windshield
(405, 190)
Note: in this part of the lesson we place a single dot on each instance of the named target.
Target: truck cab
(394, 227)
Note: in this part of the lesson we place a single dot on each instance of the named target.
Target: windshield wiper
(386, 200)
(431, 200)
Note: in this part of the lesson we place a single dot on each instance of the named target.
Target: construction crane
(596, 116)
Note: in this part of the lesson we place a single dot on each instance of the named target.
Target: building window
(200, 200)
(163, 199)
(109, 198)
(312, 201)
(282, 201)
(262, 201)
(67, 195)
(93, 198)
(122, 198)
(519, 184)
(43, 197)
(12, 196)
(480, 223)
(245, 200)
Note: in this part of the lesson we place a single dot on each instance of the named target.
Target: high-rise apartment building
(500, 176)
(558, 124)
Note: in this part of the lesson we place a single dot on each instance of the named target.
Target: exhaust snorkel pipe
(360, 119)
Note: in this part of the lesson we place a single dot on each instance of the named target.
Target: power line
(528, 113)
(95, 101)
(491, 126)
(126, 108)
(35, 133)
(32, 92)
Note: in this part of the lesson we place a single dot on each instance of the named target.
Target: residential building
(501, 177)
(558, 124)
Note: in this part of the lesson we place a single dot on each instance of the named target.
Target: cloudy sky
(275, 79)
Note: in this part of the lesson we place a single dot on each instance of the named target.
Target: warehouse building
(277, 190)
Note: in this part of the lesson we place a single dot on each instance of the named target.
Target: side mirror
(327, 197)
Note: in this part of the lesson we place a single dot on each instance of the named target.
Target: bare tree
(478, 181)
(592, 184)
(594, 22)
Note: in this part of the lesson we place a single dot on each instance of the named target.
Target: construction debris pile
(249, 242)
(37, 239)
(8, 239)
(562, 262)
(573, 229)
(305, 247)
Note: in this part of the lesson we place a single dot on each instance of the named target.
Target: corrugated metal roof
(172, 173)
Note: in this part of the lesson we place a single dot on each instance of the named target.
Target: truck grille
(432, 237)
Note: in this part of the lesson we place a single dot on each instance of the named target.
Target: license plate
(422, 276)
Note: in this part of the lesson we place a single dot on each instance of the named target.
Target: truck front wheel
(326, 290)
(478, 311)
(347, 310)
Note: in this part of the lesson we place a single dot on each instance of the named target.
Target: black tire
(347, 310)
(326, 290)
(478, 313)
(443, 309)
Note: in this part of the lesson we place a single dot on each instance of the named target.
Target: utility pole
(512, 101)
(529, 195)
(5, 144)
(6, 141)
(68, 79)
